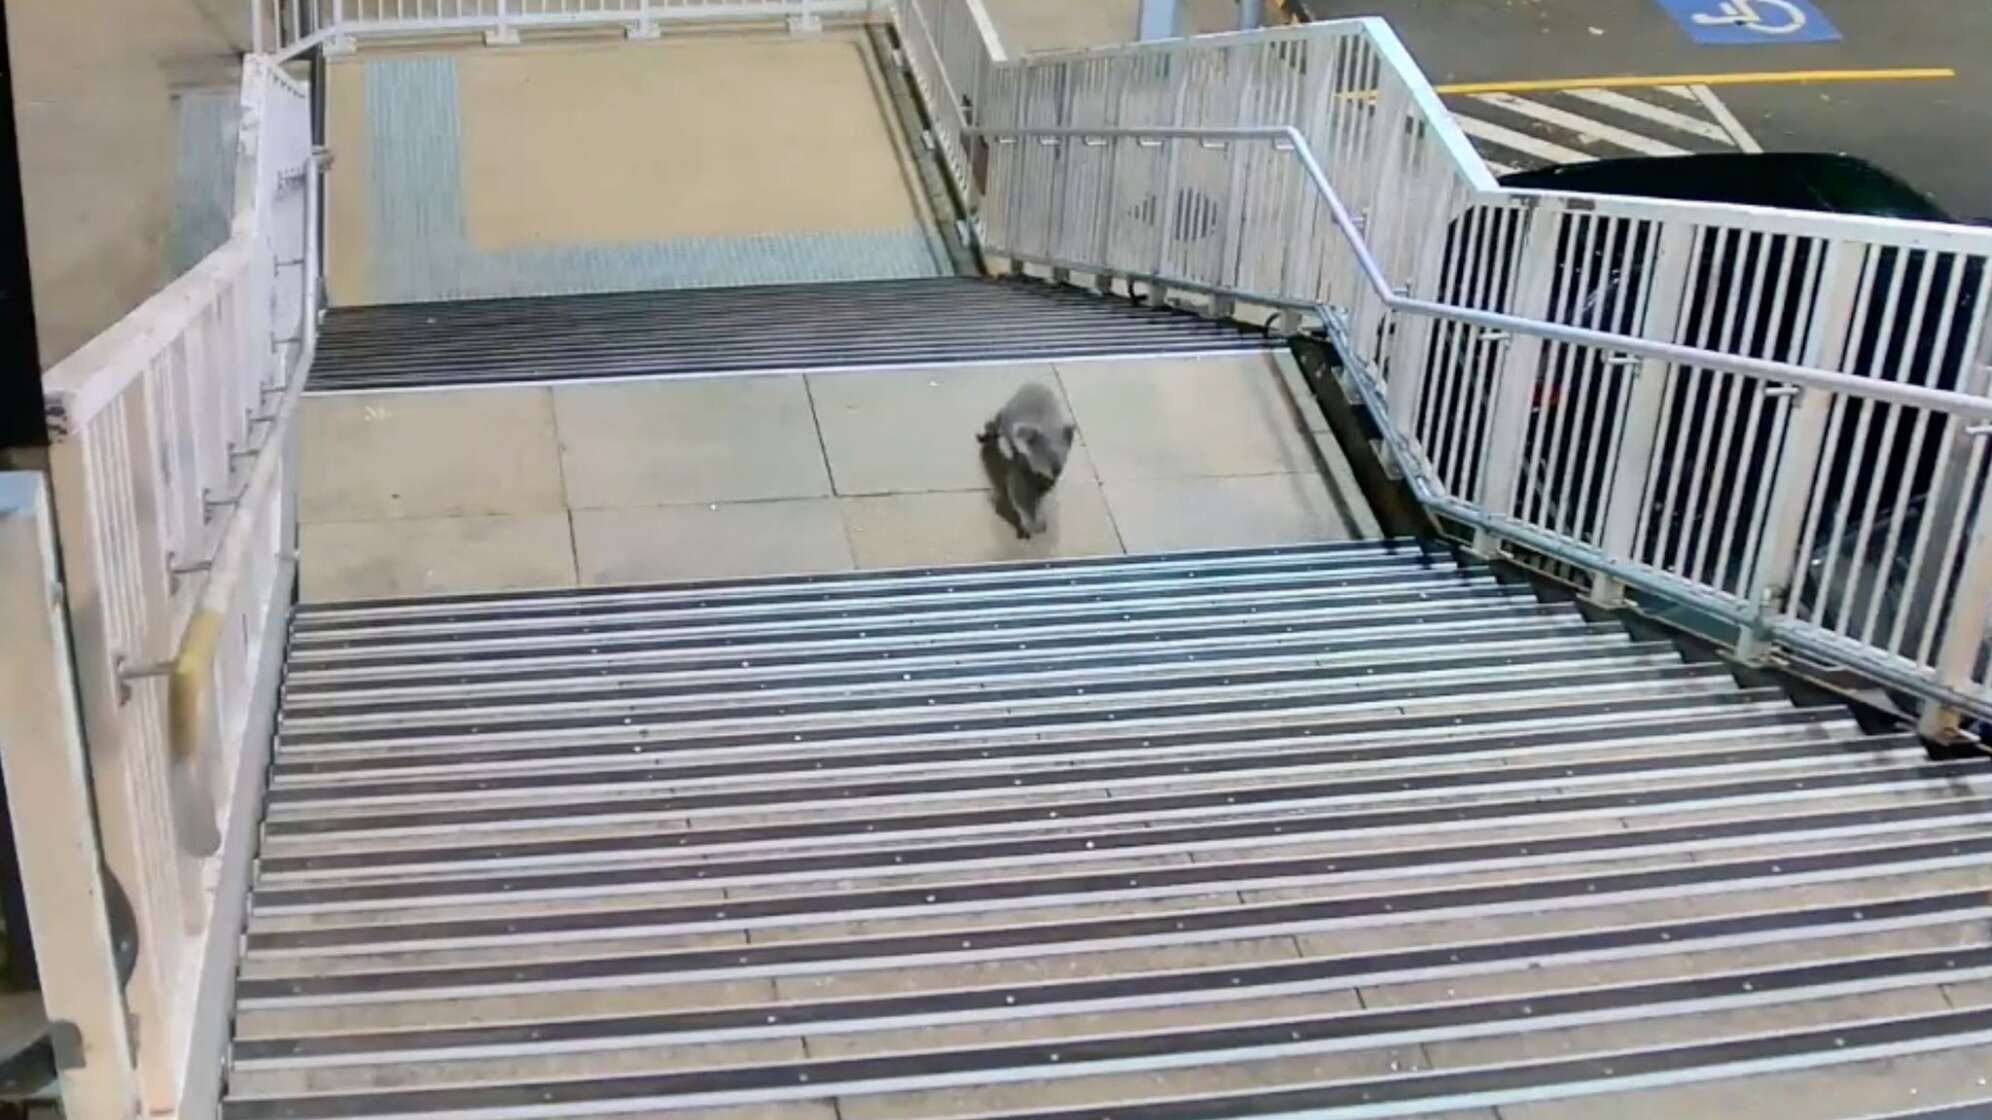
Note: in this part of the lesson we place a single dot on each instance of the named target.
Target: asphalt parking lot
(1906, 84)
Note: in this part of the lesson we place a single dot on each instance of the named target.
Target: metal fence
(172, 485)
(288, 26)
(1776, 419)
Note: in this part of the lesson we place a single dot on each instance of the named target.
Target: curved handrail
(1891, 392)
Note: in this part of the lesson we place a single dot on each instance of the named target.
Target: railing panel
(42, 753)
(160, 427)
(1779, 417)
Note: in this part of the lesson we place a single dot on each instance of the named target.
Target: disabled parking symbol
(1732, 22)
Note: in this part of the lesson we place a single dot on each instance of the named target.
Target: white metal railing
(950, 47)
(172, 481)
(1779, 419)
(286, 27)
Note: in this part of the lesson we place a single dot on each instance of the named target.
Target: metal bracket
(126, 672)
(1785, 391)
(210, 504)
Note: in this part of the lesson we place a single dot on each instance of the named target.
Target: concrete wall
(1043, 25)
(100, 92)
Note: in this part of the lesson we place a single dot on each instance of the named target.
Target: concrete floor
(502, 172)
(518, 487)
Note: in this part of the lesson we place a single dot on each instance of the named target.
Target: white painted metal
(171, 478)
(48, 786)
(1702, 315)
(303, 24)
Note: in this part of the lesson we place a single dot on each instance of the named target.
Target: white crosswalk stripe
(1657, 114)
(1514, 132)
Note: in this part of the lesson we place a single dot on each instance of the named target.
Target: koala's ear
(1026, 433)
(1070, 431)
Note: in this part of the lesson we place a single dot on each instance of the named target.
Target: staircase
(777, 329)
(1354, 830)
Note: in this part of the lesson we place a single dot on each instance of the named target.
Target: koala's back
(1035, 405)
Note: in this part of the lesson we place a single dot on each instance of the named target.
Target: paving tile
(434, 556)
(715, 540)
(1159, 515)
(656, 443)
(457, 453)
(965, 527)
(1186, 418)
(914, 430)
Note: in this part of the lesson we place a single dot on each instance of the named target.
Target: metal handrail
(1890, 392)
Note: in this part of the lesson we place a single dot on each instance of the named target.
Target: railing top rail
(1318, 29)
(78, 386)
(1901, 233)
(986, 27)
(1915, 396)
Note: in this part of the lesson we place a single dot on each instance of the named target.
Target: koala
(1025, 446)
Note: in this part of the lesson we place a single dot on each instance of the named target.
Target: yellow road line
(1773, 77)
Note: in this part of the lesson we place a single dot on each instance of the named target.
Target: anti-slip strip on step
(993, 841)
(798, 328)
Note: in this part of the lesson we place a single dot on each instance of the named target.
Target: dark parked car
(1884, 468)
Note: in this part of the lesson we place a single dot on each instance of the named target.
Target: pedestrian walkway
(1535, 128)
(703, 479)
(719, 161)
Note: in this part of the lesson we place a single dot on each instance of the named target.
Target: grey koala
(1024, 447)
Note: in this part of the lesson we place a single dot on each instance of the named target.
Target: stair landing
(516, 487)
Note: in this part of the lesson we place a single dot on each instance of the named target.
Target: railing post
(1646, 397)
(42, 755)
(1775, 575)
(256, 27)
(1165, 203)
(504, 35)
(339, 42)
(1404, 384)
(1964, 632)
(1515, 383)
(646, 23)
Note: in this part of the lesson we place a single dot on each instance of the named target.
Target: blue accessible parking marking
(1730, 22)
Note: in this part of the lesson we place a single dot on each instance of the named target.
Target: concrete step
(1349, 831)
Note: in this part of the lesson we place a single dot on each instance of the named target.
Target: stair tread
(791, 328)
(1140, 838)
